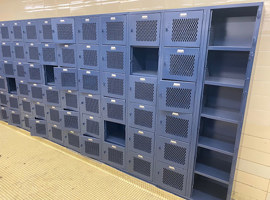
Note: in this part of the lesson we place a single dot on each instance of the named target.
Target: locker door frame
(19, 81)
(4, 71)
(10, 44)
(84, 139)
(52, 88)
(34, 23)
(63, 99)
(16, 112)
(81, 73)
(66, 141)
(48, 108)
(17, 23)
(50, 136)
(21, 44)
(27, 52)
(80, 56)
(31, 113)
(63, 20)
(84, 118)
(39, 86)
(46, 46)
(60, 55)
(33, 123)
(41, 72)
(64, 113)
(58, 80)
(6, 24)
(41, 23)
(83, 104)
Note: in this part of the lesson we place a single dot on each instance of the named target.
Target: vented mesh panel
(52, 96)
(90, 57)
(64, 31)
(92, 148)
(26, 122)
(92, 127)
(8, 69)
(71, 121)
(23, 88)
(3, 99)
(57, 133)
(40, 110)
(71, 100)
(2, 84)
(68, 56)
(26, 105)
(6, 51)
(115, 156)
(143, 118)
(146, 30)
(31, 32)
(68, 79)
(115, 111)
(73, 140)
(90, 82)
(176, 126)
(40, 129)
(13, 102)
(17, 32)
(175, 153)
(115, 86)
(4, 114)
(115, 60)
(15, 118)
(185, 30)
(144, 91)
(142, 167)
(19, 52)
(20, 71)
(48, 54)
(173, 179)
(4, 32)
(91, 105)
(47, 31)
(33, 53)
(89, 31)
(54, 115)
(37, 93)
(182, 65)
(34, 73)
(178, 97)
(142, 143)
(115, 31)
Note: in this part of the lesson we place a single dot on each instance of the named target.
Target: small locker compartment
(114, 85)
(39, 110)
(38, 127)
(12, 86)
(114, 29)
(88, 56)
(71, 120)
(90, 104)
(114, 59)
(21, 70)
(114, 110)
(5, 28)
(52, 96)
(23, 88)
(3, 84)
(19, 51)
(145, 29)
(114, 155)
(171, 178)
(66, 79)
(72, 140)
(67, 55)
(140, 165)
(33, 52)
(53, 115)
(89, 81)
(25, 117)
(45, 30)
(30, 29)
(7, 50)
(87, 29)
(3, 98)
(49, 74)
(175, 125)
(180, 64)
(4, 113)
(13, 101)
(142, 117)
(26, 106)
(176, 96)
(35, 73)
(37, 92)
(142, 89)
(63, 30)
(183, 28)
(17, 31)
(115, 133)
(90, 147)
(49, 54)
(70, 100)
(55, 133)
(92, 126)
(14, 118)
(172, 152)
(141, 142)
(8, 68)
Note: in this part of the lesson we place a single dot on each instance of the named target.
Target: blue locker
(142, 117)
(4, 113)
(70, 120)
(3, 98)
(35, 73)
(49, 54)
(52, 96)
(87, 29)
(17, 31)
(25, 120)
(90, 147)
(114, 59)
(21, 70)
(92, 126)
(88, 56)
(53, 115)
(89, 81)
(37, 92)
(19, 51)
(72, 140)
(143, 89)
(183, 28)
(63, 30)
(70, 100)
(8, 69)
(39, 110)
(33, 52)
(55, 133)
(45, 31)
(30, 29)
(38, 127)
(13, 101)
(67, 55)
(90, 104)
(114, 29)
(5, 28)
(3, 84)
(23, 88)
(145, 29)
(14, 118)
(180, 63)
(66, 79)
(7, 50)
(114, 110)
(26, 106)
(176, 96)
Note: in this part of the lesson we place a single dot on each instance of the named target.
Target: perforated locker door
(175, 125)
(140, 165)
(113, 85)
(89, 81)
(87, 29)
(72, 140)
(67, 55)
(7, 50)
(70, 100)
(142, 89)
(30, 29)
(4, 114)
(114, 29)
(52, 96)
(145, 29)
(63, 30)
(49, 54)
(8, 68)
(5, 31)
(90, 104)
(37, 92)
(23, 88)
(90, 147)
(33, 52)
(114, 110)
(3, 98)
(180, 64)
(35, 73)
(21, 70)
(66, 79)
(19, 51)
(114, 155)
(39, 110)
(17, 34)
(183, 28)
(13, 101)
(92, 125)
(172, 151)
(3, 84)
(45, 30)
(38, 127)
(141, 141)
(14, 118)
(176, 96)
(25, 121)
(88, 56)
(142, 117)
(53, 115)
(114, 58)
(55, 133)
(26, 106)
(70, 120)
(171, 178)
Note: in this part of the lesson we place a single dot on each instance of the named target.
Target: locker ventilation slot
(115, 111)
(178, 97)
(26, 106)
(34, 73)
(19, 52)
(57, 133)
(71, 100)
(52, 96)
(31, 32)
(173, 179)
(92, 105)
(143, 118)
(144, 91)
(182, 65)
(175, 154)
(146, 30)
(6, 51)
(64, 31)
(47, 32)
(115, 31)
(68, 56)
(9, 69)
(92, 127)
(33, 53)
(73, 140)
(185, 30)
(115, 156)
(71, 122)
(41, 129)
(90, 82)
(54, 115)
(142, 167)
(91, 148)
(90, 57)
(177, 127)
(115, 60)
(115, 86)
(68, 79)
(142, 143)
(89, 31)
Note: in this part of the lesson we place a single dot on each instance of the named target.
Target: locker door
(4, 114)
(92, 126)
(67, 55)
(3, 84)
(8, 68)
(63, 30)
(30, 29)
(72, 140)
(55, 133)
(23, 88)
(66, 79)
(26, 106)
(7, 50)
(21, 70)
(39, 110)
(70, 100)
(5, 28)
(35, 73)
(90, 104)
(53, 115)
(14, 118)
(25, 121)
(71, 120)
(52, 96)
(49, 54)
(13, 102)
(89, 81)
(114, 110)
(114, 85)
(90, 147)
(37, 92)
(17, 31)
(88, 56)
(38, 128)
(19, 51)
(33, 52)
(87, 29)
(45, 31)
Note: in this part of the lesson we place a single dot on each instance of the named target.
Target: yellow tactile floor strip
(34, 168)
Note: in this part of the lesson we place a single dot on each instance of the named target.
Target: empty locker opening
(115, 133)
(49, 74)
(12, 88)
